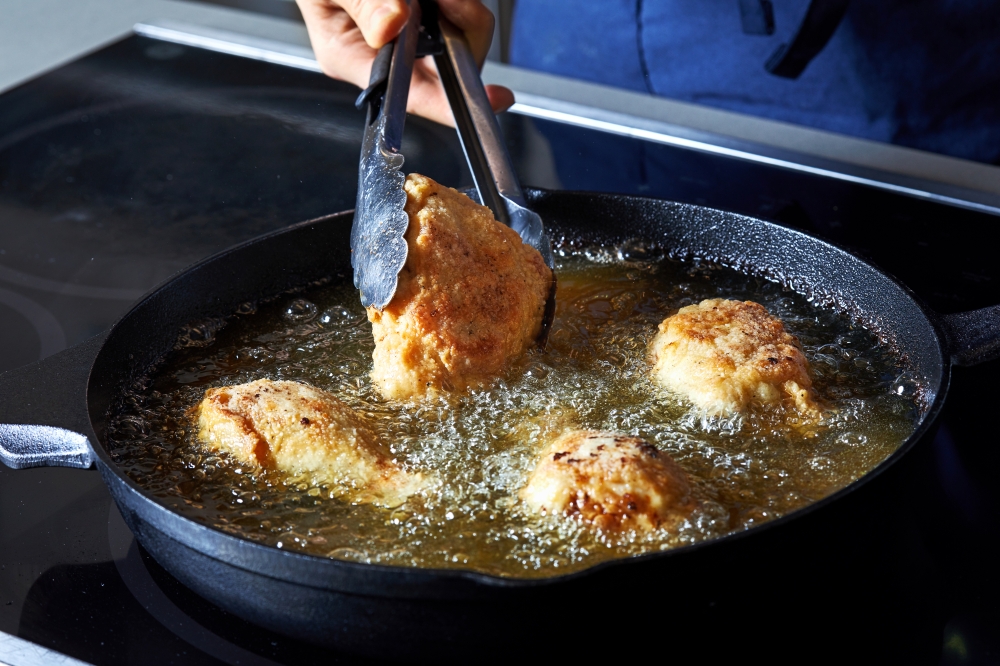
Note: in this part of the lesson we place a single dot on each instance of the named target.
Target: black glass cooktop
(120, 169)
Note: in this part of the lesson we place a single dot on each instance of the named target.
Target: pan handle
(43, 446)
(43, 410)
(973, 337)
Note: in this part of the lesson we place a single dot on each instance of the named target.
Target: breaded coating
(723, 355)
(609, 480)
(470, 299)
(307, 433)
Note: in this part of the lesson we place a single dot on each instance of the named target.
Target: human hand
(346, 34)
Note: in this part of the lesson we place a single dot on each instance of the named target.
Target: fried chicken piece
(609, 480)
(307, 433)
(470, 299)
(723, 355)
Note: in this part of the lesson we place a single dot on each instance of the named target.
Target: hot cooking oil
(478, 448)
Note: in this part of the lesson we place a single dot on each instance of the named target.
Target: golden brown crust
(470, 297)
(724, 355)
(305, 432)
(609, 480)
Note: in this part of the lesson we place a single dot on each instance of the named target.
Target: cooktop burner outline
(51, 337)
(19, 278)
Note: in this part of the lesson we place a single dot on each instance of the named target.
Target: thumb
(380, 21)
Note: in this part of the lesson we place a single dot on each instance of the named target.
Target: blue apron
(917, 73)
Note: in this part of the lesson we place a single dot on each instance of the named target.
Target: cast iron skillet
(57, 411)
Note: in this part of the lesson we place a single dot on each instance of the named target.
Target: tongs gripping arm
(378, 247)
(483, 142)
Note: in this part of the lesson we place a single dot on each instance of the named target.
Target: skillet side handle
(43, 410)
(973, 337)
(24, 446)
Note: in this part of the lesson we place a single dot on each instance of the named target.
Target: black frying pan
(780, 577)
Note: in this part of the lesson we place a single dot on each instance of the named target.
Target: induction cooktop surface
(122, 168)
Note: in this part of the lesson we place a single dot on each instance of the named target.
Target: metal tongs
(378, 247)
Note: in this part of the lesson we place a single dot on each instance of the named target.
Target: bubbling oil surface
(480, 447)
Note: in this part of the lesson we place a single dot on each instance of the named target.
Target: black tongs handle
(389, 82)
(485, 149)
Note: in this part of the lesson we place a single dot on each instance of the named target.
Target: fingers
(345, 35)
(379, 20)
(475, 20)
(340, 48)
(428, 99)
(501, 98)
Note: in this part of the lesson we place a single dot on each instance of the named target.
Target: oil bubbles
(334, 315)
(905, 385)
(199, 334)
(852, 439)
(300, 310)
